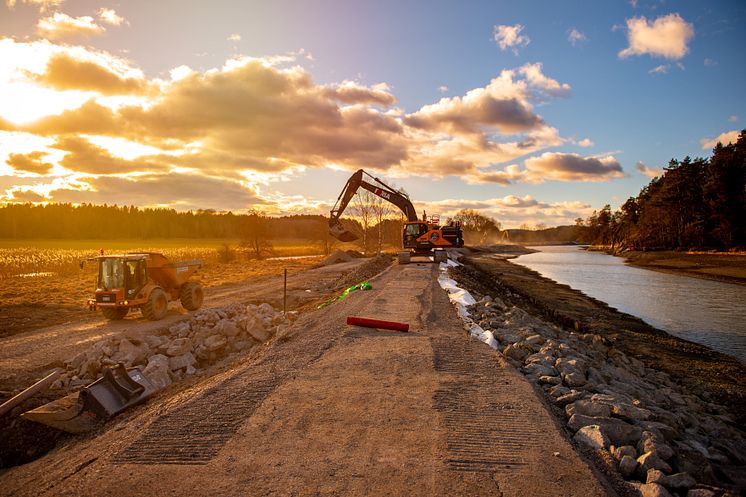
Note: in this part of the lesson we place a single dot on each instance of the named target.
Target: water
(703, 311)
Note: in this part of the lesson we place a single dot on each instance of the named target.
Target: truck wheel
(115, 313)
(404, 258)
(191, 296)
(157, 305)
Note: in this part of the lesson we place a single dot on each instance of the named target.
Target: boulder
(130, 354)
(574, 379)
(625, 450)
(538, 369)
(650, 460)
(588, 408)
(179, 346)
(618, 432)
(628, 412)
(654, 476)
(627, 466)
(259, 332)
(181, 361)
(654, 490)
(568, 398)
(679, 481)
(157, 371)
(227, 328)
(592, 436)
(215, 342)
(700, 492)
(550, 380)
(650, 442)
(514, 352)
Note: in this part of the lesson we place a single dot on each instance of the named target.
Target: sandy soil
(335, 410)
(714, 266)
(702, 369)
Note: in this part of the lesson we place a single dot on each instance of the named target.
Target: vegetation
(695, 204)
(478, 229)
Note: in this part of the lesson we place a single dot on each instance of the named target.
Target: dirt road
(25, 356)
(335, 410)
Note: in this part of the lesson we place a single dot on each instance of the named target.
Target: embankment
(674, 408)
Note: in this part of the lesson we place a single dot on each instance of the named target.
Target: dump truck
(144, 280)
(420, 237)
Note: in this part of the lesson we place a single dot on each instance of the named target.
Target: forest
(696, 204)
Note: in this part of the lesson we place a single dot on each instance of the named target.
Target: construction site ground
(332, 409)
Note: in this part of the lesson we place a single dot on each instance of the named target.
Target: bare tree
(362, 209)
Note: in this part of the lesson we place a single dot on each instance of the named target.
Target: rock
(157, 371)
(514, 352)
(259, 332)
(650, 460)
(190, 370)
(77, 361)
(625, 450)
(568, 398)
(242, 344)
(654, 490)
(654, 476)
(588, 408)
(700, 492)
(574, 379)
(558, 391)
(679, 481)
(538, 369)
(592, 436)
(619, 432)
(292, 315)
(154, 341)
(550, 380)
(179, 346)
(130, 354)
(182, 361)
(629, 413)
(650, 442)
(215, 342)
(227, 328)
(627, 466)
(666, 430)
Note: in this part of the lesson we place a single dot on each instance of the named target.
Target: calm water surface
(703, 311)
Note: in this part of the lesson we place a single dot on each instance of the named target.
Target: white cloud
(511, 37)
(442, 88)
(43, 5)
(724, 138)
(60, 25)
(234, 37)
(661, 69)
(650, 172)
(665, 37)
(575, 37)
(109, 16)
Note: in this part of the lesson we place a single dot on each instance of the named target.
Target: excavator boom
(361, 179)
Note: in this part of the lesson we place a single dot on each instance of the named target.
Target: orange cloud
(83, 156)
(31, 162)
(60, 25)
(65, 72)
(666, 37)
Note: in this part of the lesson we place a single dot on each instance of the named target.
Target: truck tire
(157, 305)
(115, 313)
(404, 258)
(191, 296)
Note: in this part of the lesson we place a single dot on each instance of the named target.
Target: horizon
(272, 106)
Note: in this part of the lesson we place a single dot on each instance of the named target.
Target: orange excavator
(420, 237)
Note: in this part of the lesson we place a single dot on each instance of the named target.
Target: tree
(478, 228)
(255, 234)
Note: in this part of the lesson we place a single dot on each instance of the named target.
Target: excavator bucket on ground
(89, 408)
(340, 233)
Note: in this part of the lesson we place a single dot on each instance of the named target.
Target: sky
(534, 113)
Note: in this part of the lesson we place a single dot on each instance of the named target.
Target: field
(41, 282)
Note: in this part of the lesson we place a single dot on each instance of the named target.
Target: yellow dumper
(146, 280)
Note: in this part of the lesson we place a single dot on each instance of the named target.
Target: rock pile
(663, 439)
(181, 349)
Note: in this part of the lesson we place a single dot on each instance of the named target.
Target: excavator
(420, 237)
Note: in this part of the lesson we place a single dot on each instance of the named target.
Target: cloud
(65, 72)
(234, 37)
(354, 93)
(650, 172)
(733, 119)
(572, 167)
(31, 162)
(665, 37)
(710, 62)
(574, 37)
(510, 37)
(586, 142)
(661, 69)
(537, 80)
(60, 25)
(724, 138)
(85, 157)
(443, 89)
(43, 5)
(109, 16)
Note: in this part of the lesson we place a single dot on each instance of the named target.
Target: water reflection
(708, 312)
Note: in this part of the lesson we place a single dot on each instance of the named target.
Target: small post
(285, 294)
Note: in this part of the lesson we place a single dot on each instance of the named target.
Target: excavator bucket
(340, 233)
(89, 408)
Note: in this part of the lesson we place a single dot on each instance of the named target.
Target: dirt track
(335, 410)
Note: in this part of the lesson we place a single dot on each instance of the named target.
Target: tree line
(695, 204)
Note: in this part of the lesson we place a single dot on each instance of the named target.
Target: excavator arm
(361, 179)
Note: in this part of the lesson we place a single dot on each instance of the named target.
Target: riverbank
(719, 266)
(652, 406)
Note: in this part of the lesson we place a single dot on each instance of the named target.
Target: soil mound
(336, 257)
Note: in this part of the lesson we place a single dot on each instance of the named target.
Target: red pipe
(377, 323)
